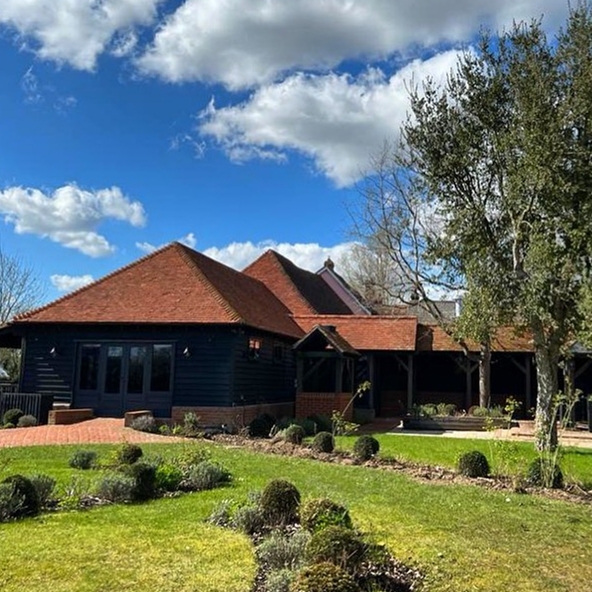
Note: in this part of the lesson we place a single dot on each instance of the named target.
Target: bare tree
(20, 291)
(399, 224)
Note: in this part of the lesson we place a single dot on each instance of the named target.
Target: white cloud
(75, 32)
(309, 256)
(188, 240)
(30, 87)
(69, 283)
(69, 216)
(249, 42)
(336, 120)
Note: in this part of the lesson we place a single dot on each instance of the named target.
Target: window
(160, 376)
(135, 377)
(278, 352)
(89, 367)
(113, 369)
(254, 348)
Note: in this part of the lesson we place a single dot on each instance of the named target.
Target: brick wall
(236, 417)
(69, 416)
(323, 404)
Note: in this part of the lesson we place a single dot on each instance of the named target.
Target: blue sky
(232, 125)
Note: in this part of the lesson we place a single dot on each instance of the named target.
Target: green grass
(465, 538)
(504, 456)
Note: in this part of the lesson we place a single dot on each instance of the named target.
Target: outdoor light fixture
(187, 352)
(53, 352)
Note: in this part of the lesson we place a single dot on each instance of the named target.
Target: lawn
(464, 537)
(505, 456)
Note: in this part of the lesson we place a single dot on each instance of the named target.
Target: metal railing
(29, 403)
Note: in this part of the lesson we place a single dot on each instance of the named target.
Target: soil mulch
(419, 472)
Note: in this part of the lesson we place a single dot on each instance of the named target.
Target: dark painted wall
(267, 377)
(216, 370)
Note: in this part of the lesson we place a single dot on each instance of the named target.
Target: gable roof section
(172, 285)
(303, 292)
(330, 336)
(368, 333)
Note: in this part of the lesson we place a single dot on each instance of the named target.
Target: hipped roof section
(303, 292)
(172, 285)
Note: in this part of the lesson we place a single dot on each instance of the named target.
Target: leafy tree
(502, 154)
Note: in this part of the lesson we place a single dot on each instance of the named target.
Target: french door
(119, 377)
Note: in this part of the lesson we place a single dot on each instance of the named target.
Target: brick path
(93, 431)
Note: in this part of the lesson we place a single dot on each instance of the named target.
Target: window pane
(160, 379)
(135, 379)
(113, 369)
(89, 367)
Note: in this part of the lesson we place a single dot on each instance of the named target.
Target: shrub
(248, 519)
(144, 476)
(221, 515)
(205, 475)
(477, 411)
(324, 577)
(316, 514)
(27, 421)
(308, 425)
(168, 477)
(445, 409)
(323, 442)
(83, 459)
(293, 434)
(341, 546)
(473, 464)
(279, 580)
(191, 427)
(11, 503)
(145, 423)
(12, 416)
(259, 427)
(44, 486)
(23, 488)
(543, 472)
(116, 487)
(280, 501)
(323, 422)
(365, 447)
(280, 550)
(128, 454)
(8, 426)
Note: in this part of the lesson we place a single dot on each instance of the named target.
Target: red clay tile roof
(368, 333)
(331, 337)
(508, 339)
(172, 285)
(303, 292)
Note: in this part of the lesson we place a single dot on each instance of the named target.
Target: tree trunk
(547, 362)
(485, 374)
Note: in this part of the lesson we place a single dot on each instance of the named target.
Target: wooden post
(410, 381)
(339, 375)
(372, 378)
(299, 372)
(468, 384)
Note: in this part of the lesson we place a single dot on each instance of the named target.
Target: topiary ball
(543, 472)
(323, 442)
(260, 426)
(280, 501)
(294, 434)
(365, 447)
(144, 476)
(338, 545)
(128, 454)
(316, 514)
(24, 488)
(324, 577)
(473, 464)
